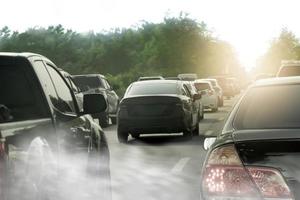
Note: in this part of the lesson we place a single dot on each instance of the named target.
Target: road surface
(162, 167)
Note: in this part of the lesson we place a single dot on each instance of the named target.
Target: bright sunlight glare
(248, 25)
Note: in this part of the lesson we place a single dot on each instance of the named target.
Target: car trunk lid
(278, 149)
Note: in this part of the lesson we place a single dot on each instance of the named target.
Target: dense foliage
(177, 45)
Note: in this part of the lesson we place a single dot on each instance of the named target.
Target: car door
(113, 98)
(194, 105)
(73, 131)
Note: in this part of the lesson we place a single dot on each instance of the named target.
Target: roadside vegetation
(176, 45)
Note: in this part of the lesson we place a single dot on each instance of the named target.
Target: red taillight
(270, 182)
(225, 176)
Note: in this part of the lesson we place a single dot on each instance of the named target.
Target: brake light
(270, 183)
(224, 176)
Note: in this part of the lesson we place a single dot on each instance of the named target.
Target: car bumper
(153, 125)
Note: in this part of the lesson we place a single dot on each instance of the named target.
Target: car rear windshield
(289, 71)
(20, 97)
(85, 83)
(202, 86)
(153, 88)
(270, 107)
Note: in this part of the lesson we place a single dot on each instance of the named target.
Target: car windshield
(202, 86)
(85, 83)
(153, 88)
(289, 71)
(270, 108)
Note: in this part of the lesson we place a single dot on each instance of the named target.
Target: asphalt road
(162, 167)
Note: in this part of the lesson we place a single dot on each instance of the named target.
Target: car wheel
(202, 114)
(113, 120)
(196, 130)
(221, 102)
(104, 120)
(122, 136)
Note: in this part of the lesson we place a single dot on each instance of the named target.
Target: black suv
(47, 145)
(98, 84)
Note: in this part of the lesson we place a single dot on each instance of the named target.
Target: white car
(209, 95)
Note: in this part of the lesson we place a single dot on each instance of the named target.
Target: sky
(249, 25)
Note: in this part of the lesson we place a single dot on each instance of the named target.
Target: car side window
(183, 91)
(188, 93)
(65, 100)
(46, 81)
(107, 84)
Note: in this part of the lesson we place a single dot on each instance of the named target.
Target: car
(43, 131)
(155, 106)
(147, 78)
(188, 76)
(289, 68)
(256, 156)
(209, 95)
(226, 85)
(218, 90)
(98, 84)
(198, 102)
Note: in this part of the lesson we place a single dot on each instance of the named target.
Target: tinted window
(290, 71)
(202, 86)
(153, 88)
(19, 93)
(270, 107)
(65, 103)
(86, 83)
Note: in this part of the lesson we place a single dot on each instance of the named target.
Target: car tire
(221, 102)
(122, 136)
(196, 130)
(104, 120)
(202, 114)
(113, 120)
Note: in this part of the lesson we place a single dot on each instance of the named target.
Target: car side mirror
(208, 142)
(197, 96)
(94, 103)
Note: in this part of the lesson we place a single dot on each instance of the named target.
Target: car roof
(156, 82)
(202, 81)
(19, 54)
(25, 55)
(89, 75)
(277, 81)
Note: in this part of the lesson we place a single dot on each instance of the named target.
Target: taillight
(224, 176)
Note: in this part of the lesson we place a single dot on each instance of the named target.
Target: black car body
(42, 131)
(98, 84)
(257, 156)
(157, 107)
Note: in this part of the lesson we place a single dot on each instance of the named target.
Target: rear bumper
(153, 125)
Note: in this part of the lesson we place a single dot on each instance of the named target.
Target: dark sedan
(157, 107)
(257, 156)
